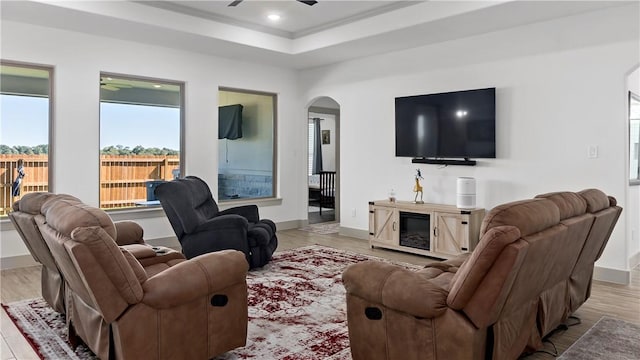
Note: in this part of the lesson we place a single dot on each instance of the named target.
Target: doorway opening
(323, 161)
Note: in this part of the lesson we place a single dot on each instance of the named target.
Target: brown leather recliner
(525, 277)
(195, 309)
(129, 235)
(22, 216)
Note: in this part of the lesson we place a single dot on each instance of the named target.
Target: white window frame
(634, 176)
(50, 122)
(181, 85)
(274, 167)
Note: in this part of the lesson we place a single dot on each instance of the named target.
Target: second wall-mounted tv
(454, 125)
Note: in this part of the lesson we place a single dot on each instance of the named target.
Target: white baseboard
(293, 224)
(617, 276)
(634, 260)
(354, 233)
(12, 262)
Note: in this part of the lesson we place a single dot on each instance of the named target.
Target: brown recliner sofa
(195, 309)
(128, 234)
(531, 269)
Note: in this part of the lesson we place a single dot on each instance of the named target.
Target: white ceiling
(296, 19)
(328, 32)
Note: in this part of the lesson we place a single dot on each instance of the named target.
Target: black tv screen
(460, 124)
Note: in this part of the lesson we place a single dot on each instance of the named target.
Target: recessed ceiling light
(109, 78)
(273, 17)
(157, 86)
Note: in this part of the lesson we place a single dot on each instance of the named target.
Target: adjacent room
(320, 179)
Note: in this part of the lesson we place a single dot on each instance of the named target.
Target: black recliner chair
(202, 228)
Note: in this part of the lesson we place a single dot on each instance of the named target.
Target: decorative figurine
(417, 188)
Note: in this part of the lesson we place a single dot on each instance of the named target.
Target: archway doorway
(323, 140)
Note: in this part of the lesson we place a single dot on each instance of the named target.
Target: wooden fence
(123, 178)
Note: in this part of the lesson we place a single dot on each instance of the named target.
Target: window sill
(136, 213)
(226, 204)
(6, 224)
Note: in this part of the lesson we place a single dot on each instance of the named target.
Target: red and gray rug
(609, 338)
(297, 310)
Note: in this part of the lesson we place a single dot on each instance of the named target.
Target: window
(246, 145)
(140, 138)
(310, 146)
(634, 138)
(25, 109)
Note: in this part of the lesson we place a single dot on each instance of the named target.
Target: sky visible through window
(24, 120)
(133, 125)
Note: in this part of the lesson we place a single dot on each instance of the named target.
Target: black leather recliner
(202, 228)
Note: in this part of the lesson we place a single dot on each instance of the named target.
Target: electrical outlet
(592, 152)
(353, 212)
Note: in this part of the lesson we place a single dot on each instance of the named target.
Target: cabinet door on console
(452, 233)
(383, 224)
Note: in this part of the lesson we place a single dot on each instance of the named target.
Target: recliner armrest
(250, 212)
(199, 276)
(139, 251)
(395, 288)
(128, 232)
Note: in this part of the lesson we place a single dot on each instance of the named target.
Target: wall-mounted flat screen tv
(459, 124)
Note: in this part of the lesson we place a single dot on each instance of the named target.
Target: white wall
(560, 89)
(78, 60)
(329, 150)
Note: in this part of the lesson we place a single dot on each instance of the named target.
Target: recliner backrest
(22, 216)
(202, 199)
(23, 219)
(605, 212)
(573, 215)
(188, 202)
(483, 281)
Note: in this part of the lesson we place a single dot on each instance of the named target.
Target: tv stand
(435, 230)
(465, 161)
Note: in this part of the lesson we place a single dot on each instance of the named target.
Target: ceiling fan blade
(308, 2)
(235, 3)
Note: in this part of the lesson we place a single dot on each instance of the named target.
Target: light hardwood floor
(606, 299)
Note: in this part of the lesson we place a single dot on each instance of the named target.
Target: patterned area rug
(322, 229)
(297, 310)
(610, 339)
